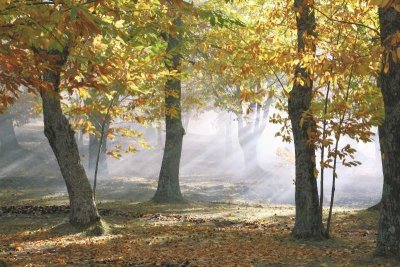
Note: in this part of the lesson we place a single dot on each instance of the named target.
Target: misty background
(212, 165)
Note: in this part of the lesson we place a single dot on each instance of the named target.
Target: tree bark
(376, 206)
(168, 189)
(94, 142)
(62, 141)
(308, 222)
(388, 242)
(8, 139)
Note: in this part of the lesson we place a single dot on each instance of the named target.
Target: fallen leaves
(192, 238)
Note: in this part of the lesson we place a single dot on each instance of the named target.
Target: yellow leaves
(381, 3)
(84, 93)
(4, 4)
(308, 59)
(98, 42)
(316, 172)
(119, 24)
(299, 81)
(386, 4)
(247, 95)
(386, 68)
(130, 149)
(114, 154)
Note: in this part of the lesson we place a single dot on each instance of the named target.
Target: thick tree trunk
(389, 134)
(376, 206)
(8, 139)
(62, 141)
(168, 189)
(308, 222)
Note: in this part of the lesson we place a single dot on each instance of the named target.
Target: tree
(8, 139)
(168, 189)
(251, 125)
(308, 223)
(94, 142)
(389, 132)
(47, 31)
(20, 113)
(62, 141)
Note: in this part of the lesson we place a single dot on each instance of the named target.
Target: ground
(226, 222)
(195, 234)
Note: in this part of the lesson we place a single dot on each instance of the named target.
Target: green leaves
(218, 18)
(74, 12)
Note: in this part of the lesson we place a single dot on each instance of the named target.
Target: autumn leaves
(132, 60)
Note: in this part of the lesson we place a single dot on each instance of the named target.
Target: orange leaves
(194, 238)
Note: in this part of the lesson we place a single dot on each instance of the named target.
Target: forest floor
(219, 226)
(193, 234)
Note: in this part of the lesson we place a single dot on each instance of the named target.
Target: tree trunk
(308, 223)
(248, 141)
(249, 134)
(168, 189)
(388, 243)
(376, 206)
(93, 148)
(94, 142)
(62, 141)
(8, 139)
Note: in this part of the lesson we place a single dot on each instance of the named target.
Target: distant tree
(8, 139)
(16, 115)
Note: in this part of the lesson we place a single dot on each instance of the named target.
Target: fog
(212, 164)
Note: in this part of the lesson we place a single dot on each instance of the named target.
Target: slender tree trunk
(388, 243)
(103, 165)
(94, 142)
(8, 139)
(93, 147)
(308, 223)
(168, 189)
(61, 138)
